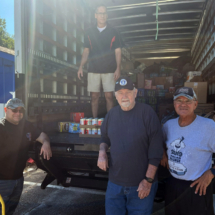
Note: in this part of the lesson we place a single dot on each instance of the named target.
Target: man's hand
(80, 73)
(144, 189)
(203, 182)
(46, 151)
(116, 74)
(102, 160)
(164, 160)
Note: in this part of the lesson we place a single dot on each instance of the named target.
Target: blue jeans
(11, 191)
(120, 199)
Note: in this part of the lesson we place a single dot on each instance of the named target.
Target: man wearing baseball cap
(133, 133)
(190, 143)
(15, 137)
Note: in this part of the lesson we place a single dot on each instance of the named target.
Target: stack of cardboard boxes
(157, 90)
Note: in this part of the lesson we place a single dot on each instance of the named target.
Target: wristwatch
(213, 171)
(150, 180)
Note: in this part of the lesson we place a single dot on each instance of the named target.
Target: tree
(6, 40)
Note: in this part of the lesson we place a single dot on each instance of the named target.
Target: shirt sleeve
(104, 131)
(155, 137)
(86, 40)
(118, 43)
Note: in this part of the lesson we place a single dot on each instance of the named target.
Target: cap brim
(185, 95)
(14, 107)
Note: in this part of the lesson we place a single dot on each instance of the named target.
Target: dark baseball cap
(14, 103)
(187, 92)
(124, 83)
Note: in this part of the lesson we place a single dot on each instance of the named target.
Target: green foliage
(6, 40)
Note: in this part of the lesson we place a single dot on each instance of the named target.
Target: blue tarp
(7, 76)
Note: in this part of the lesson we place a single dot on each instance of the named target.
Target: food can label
(94, 131)
(82, 121)
(89, 131)
(89, 121)
(95, 122)
(82, 131)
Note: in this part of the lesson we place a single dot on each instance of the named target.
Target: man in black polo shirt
(102, 44)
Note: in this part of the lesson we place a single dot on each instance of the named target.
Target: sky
(7, 13)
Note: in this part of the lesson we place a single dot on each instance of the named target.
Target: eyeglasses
(187, 102)
(16, 110)
(102, 14)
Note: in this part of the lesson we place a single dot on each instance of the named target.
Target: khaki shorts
(95, 80)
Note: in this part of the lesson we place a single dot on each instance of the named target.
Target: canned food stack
(90, 127)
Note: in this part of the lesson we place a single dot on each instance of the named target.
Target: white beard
(125, 104)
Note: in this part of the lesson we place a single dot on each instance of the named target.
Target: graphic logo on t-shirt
(28, 135)
(123, 82)
(175, 156)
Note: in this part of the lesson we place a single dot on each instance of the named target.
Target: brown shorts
(96, 79)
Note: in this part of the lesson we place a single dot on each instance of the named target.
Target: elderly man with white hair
(190, 142)
(133, 133)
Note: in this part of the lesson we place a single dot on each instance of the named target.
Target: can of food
(89, 131)
(95, 121)
(99, 131)
(100, 121)
(82, 121)
(94, 131)
(89, 121)
(82, 131)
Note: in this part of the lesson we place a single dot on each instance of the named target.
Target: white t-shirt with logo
(189, 148)
(101, 29)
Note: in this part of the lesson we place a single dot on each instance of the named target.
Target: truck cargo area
(165, 38)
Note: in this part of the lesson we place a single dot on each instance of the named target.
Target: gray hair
(100, 5)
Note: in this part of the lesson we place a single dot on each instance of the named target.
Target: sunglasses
(16, 110)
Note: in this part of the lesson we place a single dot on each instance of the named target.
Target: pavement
(57, 200)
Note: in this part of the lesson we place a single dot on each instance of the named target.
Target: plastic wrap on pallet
(150, 93)
(141, 92)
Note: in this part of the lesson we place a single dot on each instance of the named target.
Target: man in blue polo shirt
(102, 44)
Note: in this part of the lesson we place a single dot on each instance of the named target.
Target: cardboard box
(172, 90)
(148, 84)
(165, 110)
(63, 126)
(128, 65)
(75, 117)
(169, 96)
(191, 75)
(166, 81)
(140, 80)
(160, 87)
(74, 128)
(203, 109)
(200, 88)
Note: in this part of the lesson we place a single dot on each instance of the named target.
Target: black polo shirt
(102, 47)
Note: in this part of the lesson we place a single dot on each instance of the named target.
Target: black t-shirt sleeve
(35, 132)
(86, 40)
(155, 137)
(104, 131)
(118, 43)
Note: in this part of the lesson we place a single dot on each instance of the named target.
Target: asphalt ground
(57, 200)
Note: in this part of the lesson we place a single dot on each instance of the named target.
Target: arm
(155, 151)
(118, 55)
(103, 159)
(45, 149)
(83, 61)
(144, 186)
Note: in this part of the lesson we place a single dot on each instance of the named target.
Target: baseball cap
(124, 83)
(14, 103)
(187, 92)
